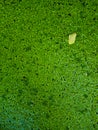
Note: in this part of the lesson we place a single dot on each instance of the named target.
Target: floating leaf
(72, 38)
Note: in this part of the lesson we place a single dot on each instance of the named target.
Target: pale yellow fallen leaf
(72, 38)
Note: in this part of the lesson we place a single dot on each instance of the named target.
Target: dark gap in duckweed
(1, 69)
(8, 26)
(14, 118)
(61, 46)
(67, 128)
(83, 66)
(14, 20)
(10, 58)
(47, 115)
(59, 15)
(4, 96)
(63, 78)
(83, 111)
(60, 95)
(14, 65)
(13, 50)
(51, 38)
(6, 47)
(49, 101)
(68, 118)
(88, 73)
(36, 73)
(84, 3)
(25, 80)
(45, 103)
(1, 78)
(28, 48)
(56, 50)
(20, 92)
(58, 3)
(85, 95)
(6, 90)
(53, 79)
(94, 10)
(94, 125)
(56, 42)
(51, 97)
(97, 112)
(34, 90)
(40, 40)
(69, 14)
(30, 103)
(78, 59)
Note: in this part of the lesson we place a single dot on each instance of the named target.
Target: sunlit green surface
(45, 83)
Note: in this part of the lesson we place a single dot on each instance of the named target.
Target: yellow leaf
(72, 38)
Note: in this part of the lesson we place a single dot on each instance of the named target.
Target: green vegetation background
(45, 83)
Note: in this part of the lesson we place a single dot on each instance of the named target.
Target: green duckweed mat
(45, 83)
